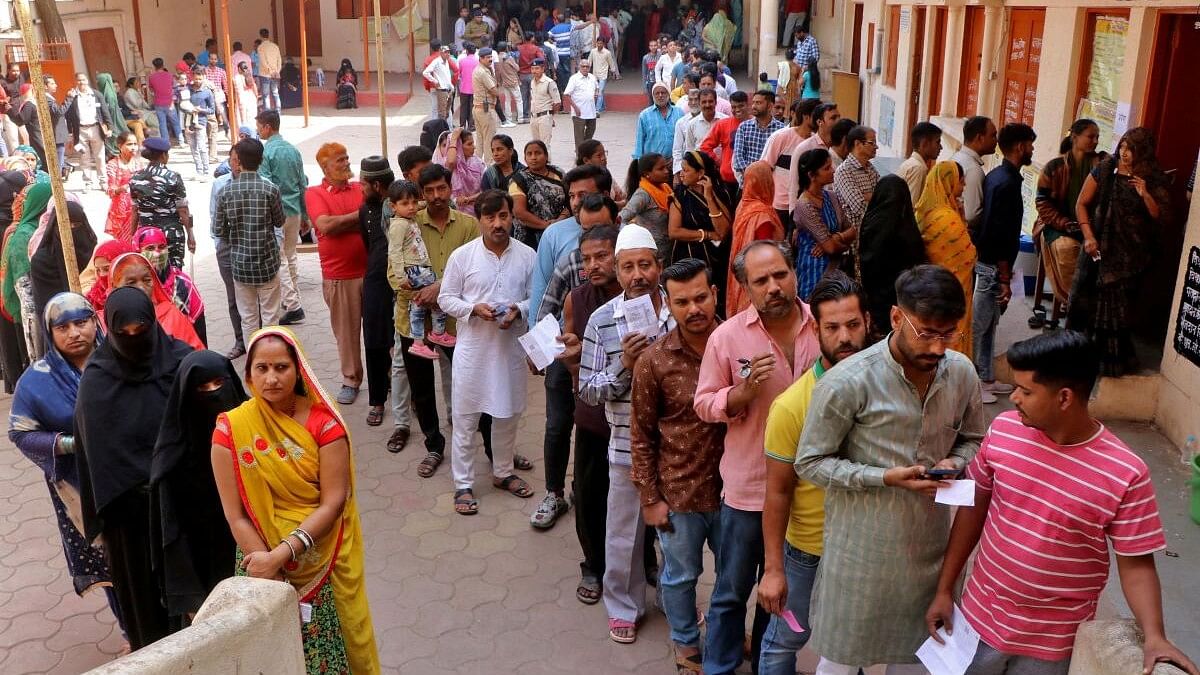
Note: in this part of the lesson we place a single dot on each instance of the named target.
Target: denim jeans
(986, 317)
(989, 661)
(600, 101)
(269, 92)
(739, 559)
(197, 138)
(168, 123)
(781, 643)
(416, 320)
(683, 563)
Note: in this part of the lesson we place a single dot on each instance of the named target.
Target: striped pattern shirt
(1043, 557)
(568, 275)
(602, 376)
(883, 545)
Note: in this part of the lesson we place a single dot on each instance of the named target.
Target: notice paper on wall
(957, 493)
(1121, 122)
(540, 343)
(954, 656)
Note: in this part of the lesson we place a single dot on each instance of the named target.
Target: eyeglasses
(951, 338)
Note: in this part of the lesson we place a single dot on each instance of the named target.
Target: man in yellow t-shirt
(794, 512)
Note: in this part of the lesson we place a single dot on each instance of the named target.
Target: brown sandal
(428, 465)
(515, 485)
(687, 665)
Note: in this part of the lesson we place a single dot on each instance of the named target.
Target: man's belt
(543, 113)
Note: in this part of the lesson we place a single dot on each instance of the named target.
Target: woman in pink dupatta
(456, 152)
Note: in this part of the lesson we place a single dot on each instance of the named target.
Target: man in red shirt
(720, 138)
(527, 51)
(797, 12)
(333, 207)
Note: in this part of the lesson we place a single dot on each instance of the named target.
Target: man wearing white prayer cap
(616, 335)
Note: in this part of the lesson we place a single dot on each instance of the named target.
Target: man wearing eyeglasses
(855, 178)
(877, 425)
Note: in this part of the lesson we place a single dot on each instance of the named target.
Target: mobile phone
(942, 474)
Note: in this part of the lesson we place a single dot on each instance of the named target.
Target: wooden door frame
(856, 49)
(941, 18)
(916, 71)
(1012, 14)
(973, 19)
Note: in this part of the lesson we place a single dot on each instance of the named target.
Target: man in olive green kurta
(876, 423)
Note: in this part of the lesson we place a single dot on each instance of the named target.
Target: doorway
(916, 72)
(972, 62)
(291, 29)
(856, 48)
(1170, 107)
(101, 54)
(939, 62)
(1024, 60)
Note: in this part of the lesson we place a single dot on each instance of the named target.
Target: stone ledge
(1112, 648)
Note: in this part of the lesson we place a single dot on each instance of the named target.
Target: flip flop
(464, 505)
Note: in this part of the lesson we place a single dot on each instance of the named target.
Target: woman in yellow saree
(944, 231)
(285, 473)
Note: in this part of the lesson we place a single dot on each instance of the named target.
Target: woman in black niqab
(13, 354)
(121, 402)
(47, 268)
(193, 548)
(889, 242)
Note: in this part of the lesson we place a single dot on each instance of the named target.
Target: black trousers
(225, 266)
(590, 486)
(423, 387)
(464, 112)
(560, 417)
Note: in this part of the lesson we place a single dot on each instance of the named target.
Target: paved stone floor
(448, 594)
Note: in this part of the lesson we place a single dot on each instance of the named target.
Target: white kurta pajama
(489, 369)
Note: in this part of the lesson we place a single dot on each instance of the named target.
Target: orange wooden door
(918, 58)
(291, 26)
(1021, 71)
(855, 55)
(101, 54)
(939, 61)
(972, 62)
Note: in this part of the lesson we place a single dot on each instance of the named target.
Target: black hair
(382, 181)
(707, 91)
(814, 75)
(299, 389)
(804, 108)
(412, 156)
(188, 56)
(931, 292)
(858, 135)
(818, 113)
(585, 150)
(595, 202)
(769, 95)
(1060, 359)
(1013, 134)
(692, 79)
(541, 144)
(600, 233)
(501, 46)
(123, 137)
(834, 286)
(597, 173)
(739, 97)
(237, 45)
(840, 129)
(492, 202)
(210, 41)
(130, 82)
(685, 270)
(528, 35)
(432, 173)
(809, 163)
(975, 127)
(269, 118)
(1078, 127)
(639, 168)
(401, 189)
(468, 47)
(924, 131)
(739, 261)
(157, 62)
(263, 33)
(250, 153)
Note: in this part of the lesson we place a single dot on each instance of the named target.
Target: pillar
(992, 62)
(925, 107)
(952, 61)
(768, 38)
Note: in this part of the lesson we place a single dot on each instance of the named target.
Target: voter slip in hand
(957, 493)
(956, 655)
(540, 343)
(640, 316)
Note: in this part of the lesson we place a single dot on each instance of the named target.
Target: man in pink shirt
(1053, 489)
(750, 359)
(466, 88)
(162, 95)
(780, 149)
(824, 116)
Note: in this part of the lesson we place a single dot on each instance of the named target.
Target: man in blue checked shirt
(752, 134)
(656, 125)
(807, 48)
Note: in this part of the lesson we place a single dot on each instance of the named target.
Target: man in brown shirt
(484, 104)
(676, 455)
(508, 72)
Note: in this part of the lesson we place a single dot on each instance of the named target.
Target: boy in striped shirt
(1053, 488)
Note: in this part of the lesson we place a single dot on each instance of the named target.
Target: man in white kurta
(486, 288)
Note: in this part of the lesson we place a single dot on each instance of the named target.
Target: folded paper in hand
(640, 316)
(956, 655)
(957, 493)
(540, 343)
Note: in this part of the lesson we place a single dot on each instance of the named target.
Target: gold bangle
(718, 214)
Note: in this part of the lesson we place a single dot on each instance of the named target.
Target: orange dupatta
(661, 194)
(753, 211)
(277, 464)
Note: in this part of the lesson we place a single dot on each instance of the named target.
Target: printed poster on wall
(1187, 324)
(1104, 77)
(887, 121)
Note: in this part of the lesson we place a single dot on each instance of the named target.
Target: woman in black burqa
(192, 548)
(121, 402)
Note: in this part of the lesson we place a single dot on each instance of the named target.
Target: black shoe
(292, 317)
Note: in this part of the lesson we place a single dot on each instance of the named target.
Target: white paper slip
(955, 656)
(641, 317)
(540, 343)
(957, 493)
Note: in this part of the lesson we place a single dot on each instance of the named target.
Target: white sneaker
(987, 396)
(997, 388)
(507, 125)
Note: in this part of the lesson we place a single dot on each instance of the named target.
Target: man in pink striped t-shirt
(1053, 488)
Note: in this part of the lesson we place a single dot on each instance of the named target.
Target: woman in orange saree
(944, 231)
(285, 473)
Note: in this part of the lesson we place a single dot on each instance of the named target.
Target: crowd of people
(765, 348)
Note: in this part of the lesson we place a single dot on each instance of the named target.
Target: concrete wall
(246, 626)
(1111, 648)
(342, 39)
(1179, 389)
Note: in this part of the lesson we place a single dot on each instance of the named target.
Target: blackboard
(1187, 324)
